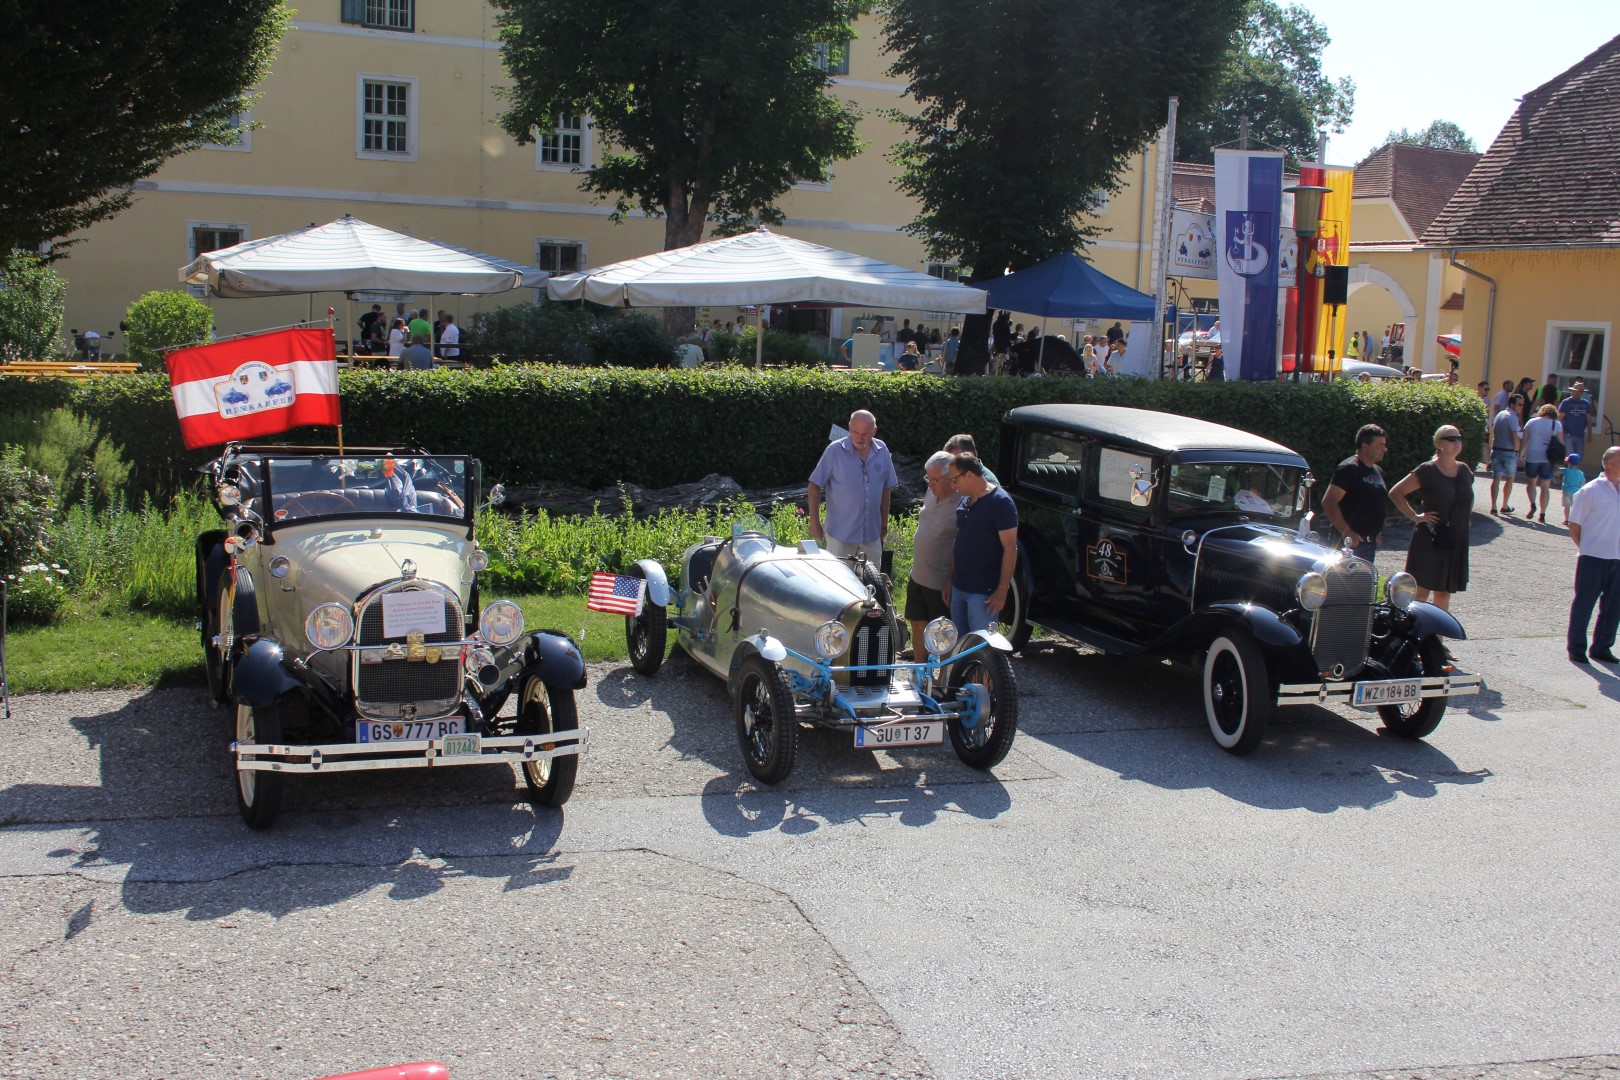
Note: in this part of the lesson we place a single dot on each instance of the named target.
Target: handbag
(1556, 451)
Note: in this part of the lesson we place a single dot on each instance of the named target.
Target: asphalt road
(1120, 899)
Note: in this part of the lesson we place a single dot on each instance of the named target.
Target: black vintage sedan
(1149, 533)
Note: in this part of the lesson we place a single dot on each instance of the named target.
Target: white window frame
(201, 291)
(244, 135)
(822, 57)
(943, 264)
(1551, 365)
(385, 24)
(562, 241)
(586, 147)
(413, 108)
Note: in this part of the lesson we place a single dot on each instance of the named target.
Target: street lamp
(1307, 216)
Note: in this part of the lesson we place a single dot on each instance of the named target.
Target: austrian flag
(261, 384)
(616, 594)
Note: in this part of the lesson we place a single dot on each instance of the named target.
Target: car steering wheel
(317, 503)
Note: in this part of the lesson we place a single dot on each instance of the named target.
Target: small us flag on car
(616, 593)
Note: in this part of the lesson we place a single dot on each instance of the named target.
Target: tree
(98, 96)
(1014, 139)
(1440, 135)
(710, 111)
(1271, 73)
(33, 302)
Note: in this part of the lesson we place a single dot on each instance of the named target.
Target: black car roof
(1150, 430)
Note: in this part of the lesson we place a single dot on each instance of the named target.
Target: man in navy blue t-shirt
(986, 547)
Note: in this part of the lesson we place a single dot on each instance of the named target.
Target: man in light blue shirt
(855, 477)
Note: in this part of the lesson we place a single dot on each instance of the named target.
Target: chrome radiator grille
(871, 646)
(384, 687)
(1342, 629)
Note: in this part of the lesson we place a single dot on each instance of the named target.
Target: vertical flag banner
(1306, 294)
(261, 384)
(1248, 231)
(1192, 244)
(1333, 249)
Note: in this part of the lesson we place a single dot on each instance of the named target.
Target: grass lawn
(97, 646)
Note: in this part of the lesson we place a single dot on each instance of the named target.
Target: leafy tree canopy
(1015, 138)
(1441, 135)
(710, 111)
(1270, 72)
(100, 95)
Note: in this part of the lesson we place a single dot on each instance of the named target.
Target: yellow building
(1536, 227)
(386, 109)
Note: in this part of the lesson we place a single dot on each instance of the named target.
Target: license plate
(926, 733)
(381, 731)
(1388, 692)
(462, 746)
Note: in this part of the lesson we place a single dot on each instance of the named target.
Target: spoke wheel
(1016, 614)
(767, 727)
(543, 709)
(1239, 697)
(988, 672)
(647, 635)
(258, 794)
(1419, 719)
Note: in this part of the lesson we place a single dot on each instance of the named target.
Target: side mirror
(497, 495)
(229, 495)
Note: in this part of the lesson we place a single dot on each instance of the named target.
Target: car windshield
(308, 487)
(1212, 487)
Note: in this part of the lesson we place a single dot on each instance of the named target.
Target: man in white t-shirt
(450, 339)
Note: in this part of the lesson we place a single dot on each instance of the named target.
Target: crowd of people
(409, 340)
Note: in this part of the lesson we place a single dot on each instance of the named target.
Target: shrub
(70, 450)
(33, 302)
(27, 499)
(781, 348)
(541, 333)
(36, 594)
(633, 340)
(164, 320)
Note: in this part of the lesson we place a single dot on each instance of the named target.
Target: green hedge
(595, 427)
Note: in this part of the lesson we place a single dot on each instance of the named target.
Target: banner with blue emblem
(1248, 228)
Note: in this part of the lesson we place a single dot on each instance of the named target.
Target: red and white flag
(257, 385)
(616, 594)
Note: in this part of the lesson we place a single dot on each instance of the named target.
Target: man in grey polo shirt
(855, 478)
(931, 550)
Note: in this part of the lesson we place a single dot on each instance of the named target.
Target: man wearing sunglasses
(985, 550)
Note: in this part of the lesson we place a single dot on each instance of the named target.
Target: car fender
(211, 563)
(994, 637)
(1266, 625)
(760, 644)
(558, 658)
(657, 581)
(258, 677)
(1431, 620)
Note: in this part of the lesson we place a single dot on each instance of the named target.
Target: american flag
(616, 593)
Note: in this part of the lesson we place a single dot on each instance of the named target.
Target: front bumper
(1341, 693)
(419, 754)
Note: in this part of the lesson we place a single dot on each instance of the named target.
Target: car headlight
(1401, 589)
(939, 636)
(478, 560)
(501, 623)
(280, 566)
(329, 626)
(1312, 591)
(832, 638)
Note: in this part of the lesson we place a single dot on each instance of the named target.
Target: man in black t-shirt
(1356, 496)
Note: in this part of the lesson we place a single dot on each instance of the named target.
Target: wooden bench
(69, 369)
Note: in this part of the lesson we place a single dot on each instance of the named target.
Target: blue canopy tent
(1066, 286)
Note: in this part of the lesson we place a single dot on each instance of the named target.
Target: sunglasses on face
(1451, 438)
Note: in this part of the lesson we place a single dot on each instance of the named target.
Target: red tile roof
(1420, 180)
(1552, 177)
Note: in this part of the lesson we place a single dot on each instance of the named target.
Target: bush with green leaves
(36, 594)
(164, 320)
(541, 333)
(633, 340)
(70, 449)
(27, 510)
(782, 348)
(33, 302)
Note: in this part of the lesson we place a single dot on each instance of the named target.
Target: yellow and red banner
(1332, 248)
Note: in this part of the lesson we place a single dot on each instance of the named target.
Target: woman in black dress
(1438, 554)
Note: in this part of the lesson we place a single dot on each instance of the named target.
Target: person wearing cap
(1570, 481)
(1574, 412)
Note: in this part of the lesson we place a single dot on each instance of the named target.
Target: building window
(242, 125)
(387, 122)
(1580, 356)
(833, 59)
(205, 236)
(381, 14)
(1100, 200)
(946, 271)
(559, 256)
(563, 148)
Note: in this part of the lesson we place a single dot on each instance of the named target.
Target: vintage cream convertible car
(803, 637)
(342, 624)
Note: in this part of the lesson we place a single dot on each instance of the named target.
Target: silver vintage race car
(341, 623)
(801, 636)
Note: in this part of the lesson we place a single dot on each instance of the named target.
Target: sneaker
(1507, 509)
(1578, 658)
(1495, 512)
(1604, 655)
(1542, 518)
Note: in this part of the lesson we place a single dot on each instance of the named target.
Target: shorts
(1538, 470)
(1504, 463)
(924, 604)
(1569, 500)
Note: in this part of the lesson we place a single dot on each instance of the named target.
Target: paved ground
(1119, 899)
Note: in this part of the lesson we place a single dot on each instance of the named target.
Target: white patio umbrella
(761, 268)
